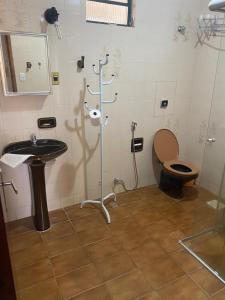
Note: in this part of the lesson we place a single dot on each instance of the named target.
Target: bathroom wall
(152, 62)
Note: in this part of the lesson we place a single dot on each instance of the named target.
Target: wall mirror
(24, 63)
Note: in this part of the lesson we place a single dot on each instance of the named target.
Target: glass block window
(109, 12)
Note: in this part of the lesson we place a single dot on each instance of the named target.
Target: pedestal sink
(43, 151)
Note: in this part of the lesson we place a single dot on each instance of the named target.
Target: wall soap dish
(46, 122)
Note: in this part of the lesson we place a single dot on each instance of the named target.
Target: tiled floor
(136, 257)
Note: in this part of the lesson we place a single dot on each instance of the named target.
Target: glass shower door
(208, 243)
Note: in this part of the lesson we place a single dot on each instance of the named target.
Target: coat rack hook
(80, 63)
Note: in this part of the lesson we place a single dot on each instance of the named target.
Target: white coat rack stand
(103, 123)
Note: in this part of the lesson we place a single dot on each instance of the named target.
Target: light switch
(55, 78)
(23, 76)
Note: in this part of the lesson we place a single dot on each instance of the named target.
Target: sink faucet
(33, 139)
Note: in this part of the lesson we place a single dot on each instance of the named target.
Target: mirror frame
(2, 66)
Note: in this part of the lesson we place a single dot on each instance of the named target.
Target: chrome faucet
(33, 139)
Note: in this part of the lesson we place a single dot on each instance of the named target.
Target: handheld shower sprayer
(133, 126)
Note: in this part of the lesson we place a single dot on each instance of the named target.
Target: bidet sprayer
(133, 126)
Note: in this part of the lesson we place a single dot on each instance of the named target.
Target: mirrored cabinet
(24, 63)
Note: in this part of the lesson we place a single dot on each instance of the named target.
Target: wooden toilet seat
(168, 166)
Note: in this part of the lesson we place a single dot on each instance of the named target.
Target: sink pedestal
(37, 178)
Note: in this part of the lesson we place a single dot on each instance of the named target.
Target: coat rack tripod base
(101, 203)
(103, 120)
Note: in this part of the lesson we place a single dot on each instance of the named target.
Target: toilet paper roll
(95, 114)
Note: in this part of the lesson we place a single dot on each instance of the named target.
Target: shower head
(217, 5)
(51, 15)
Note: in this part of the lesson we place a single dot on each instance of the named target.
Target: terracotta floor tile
(57, 216)
(207, 281)
(34, 274)
(144, 233)
(185, 260)
(134, 197)
(146, 252)
(87, 222)
(128, 287)
(78, 281)
(25, 240)
(184, 289)
(219, 296)
(76, 212)
(146, 217)
(93, 235)
(58, 230)
(29, 256)
(170, 242)
(69, 261)
(103, 249)
(63, 244)
(184, 221)
(136, 205)
(151, 296)
(161, 229)
(130, 235)
(124, 225)
(114, 266)
(20, 226)
(118, 213)
(163, 203)
(47, 290)
(161, 271)
(99, 293)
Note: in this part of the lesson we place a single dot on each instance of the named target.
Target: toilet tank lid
(165, 145)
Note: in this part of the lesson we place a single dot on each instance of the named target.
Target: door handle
(211, 140)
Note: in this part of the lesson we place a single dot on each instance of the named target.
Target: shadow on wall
(80, 130)
(64, 181)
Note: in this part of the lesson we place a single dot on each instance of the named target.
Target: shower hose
(136, 176)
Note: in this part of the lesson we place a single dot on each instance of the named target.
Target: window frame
(129, 5)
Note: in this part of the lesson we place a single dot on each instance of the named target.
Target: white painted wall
(152, 61)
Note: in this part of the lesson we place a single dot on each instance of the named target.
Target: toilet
(175, 173)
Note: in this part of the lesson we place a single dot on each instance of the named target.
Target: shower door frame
(191, 238)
